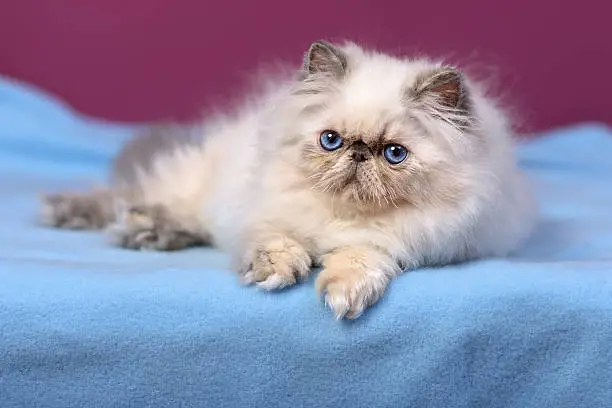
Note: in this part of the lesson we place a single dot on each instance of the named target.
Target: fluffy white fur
(260, 186)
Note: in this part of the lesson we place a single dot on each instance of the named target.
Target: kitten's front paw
(276, 264)
(348, 292)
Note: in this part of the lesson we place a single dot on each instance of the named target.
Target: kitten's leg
(93, 210)
(275, 263)
(153, 227)
(354, 278)
(166, 172)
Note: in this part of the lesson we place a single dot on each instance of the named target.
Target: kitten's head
(382, 132)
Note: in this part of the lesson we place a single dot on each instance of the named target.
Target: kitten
(364, 164)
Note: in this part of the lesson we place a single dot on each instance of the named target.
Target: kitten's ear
(323, 58)
(444, 90)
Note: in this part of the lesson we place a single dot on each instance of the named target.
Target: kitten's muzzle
(360, 152)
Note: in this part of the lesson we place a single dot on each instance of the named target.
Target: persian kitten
(362, 163)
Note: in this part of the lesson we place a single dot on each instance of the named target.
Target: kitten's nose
(360, 152)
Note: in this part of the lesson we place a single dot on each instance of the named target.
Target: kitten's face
(364, 144)
(369, 165)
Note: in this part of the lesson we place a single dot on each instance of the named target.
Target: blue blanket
(83, 324)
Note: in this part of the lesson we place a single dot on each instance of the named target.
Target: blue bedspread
(83, 324)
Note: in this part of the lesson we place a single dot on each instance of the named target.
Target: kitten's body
(260, 186)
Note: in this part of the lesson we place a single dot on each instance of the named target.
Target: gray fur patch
(151, 227)
(77, 211)
(139, 153)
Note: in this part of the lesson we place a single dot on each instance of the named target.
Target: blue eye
(395, 154)
(331, 140)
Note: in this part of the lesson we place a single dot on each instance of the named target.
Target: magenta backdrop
(137, 60)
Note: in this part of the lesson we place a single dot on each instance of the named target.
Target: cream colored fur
(260, 185)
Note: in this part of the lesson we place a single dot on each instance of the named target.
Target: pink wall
(152, 59)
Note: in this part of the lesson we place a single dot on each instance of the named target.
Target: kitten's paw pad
(277, 264)
(71, 211)
(148, 228)
(347, 292)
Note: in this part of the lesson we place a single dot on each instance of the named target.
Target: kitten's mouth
(351, 177)
(355, 181)
(357, 184)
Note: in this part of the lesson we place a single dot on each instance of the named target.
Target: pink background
(136, 60)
